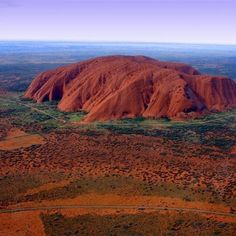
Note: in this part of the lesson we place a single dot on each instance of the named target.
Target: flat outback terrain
(125, 177)
(79, 160)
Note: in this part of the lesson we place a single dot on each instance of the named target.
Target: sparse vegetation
(136, 225)
(117, 185)
(129, 158)
(13, 185)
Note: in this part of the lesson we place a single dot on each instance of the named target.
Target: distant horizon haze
(116, 42)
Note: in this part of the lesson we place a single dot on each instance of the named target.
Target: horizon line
(117, 42)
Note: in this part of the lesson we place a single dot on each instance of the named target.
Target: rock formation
(115, 87)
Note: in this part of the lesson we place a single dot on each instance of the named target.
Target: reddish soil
(123, 86)
(127, 155)
(78, 155)
(116, 200)
(17, 138)
(21, 224)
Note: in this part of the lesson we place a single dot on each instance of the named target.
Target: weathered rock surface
(116, 87)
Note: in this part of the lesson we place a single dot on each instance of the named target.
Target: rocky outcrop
(116, 87)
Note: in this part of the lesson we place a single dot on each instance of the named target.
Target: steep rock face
(116, 87)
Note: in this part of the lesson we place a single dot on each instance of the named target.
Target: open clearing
(19, 139)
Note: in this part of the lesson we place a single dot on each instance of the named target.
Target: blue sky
(188, 21)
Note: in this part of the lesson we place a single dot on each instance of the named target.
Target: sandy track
(138, 207)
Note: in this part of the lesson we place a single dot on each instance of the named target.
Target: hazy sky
(192, 21)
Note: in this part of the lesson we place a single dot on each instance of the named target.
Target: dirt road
(138, 207)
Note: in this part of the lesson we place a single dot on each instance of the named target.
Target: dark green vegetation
(213, 130)
(33, 117)
(17, 77)
(120, 185)
(216, 129)
(13, 185)
(135, 225)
